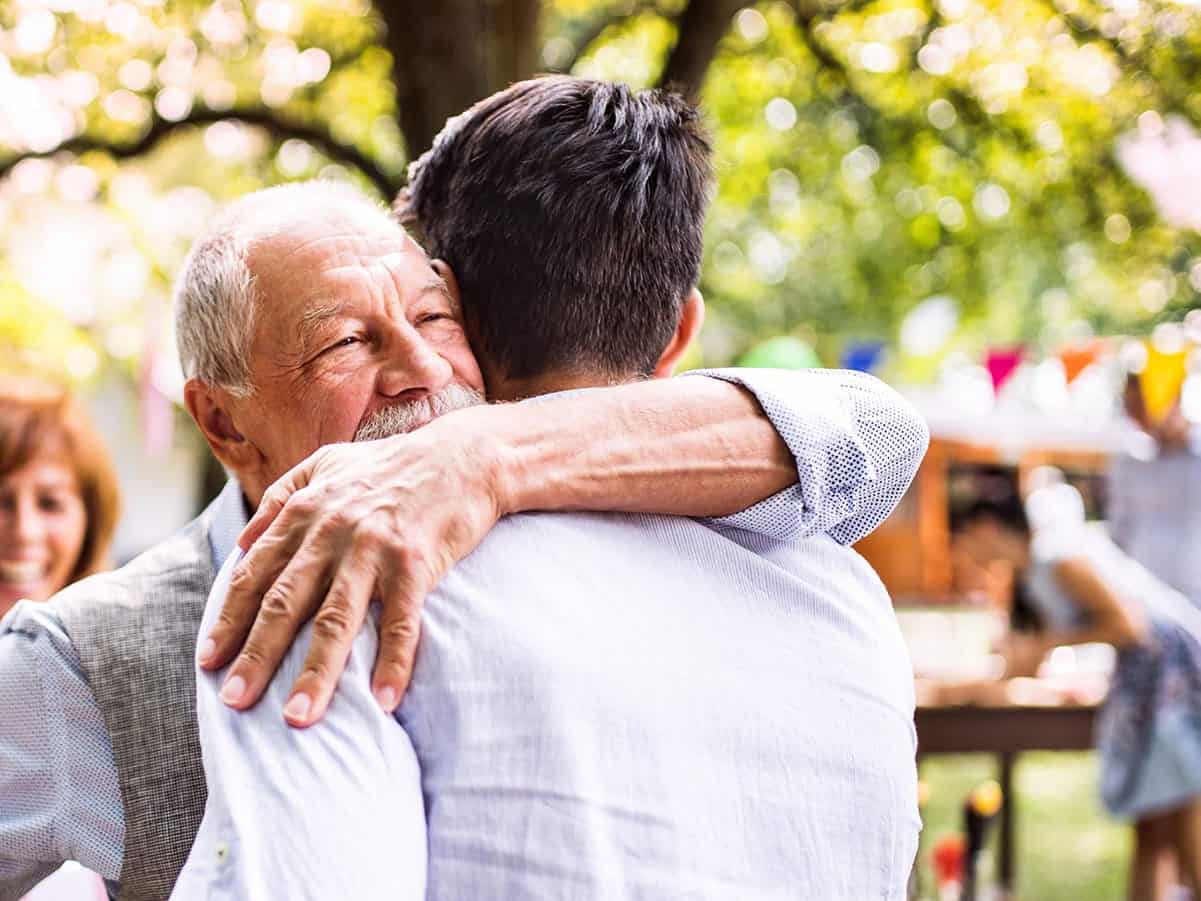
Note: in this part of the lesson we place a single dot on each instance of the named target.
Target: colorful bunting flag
(1161, 381)
(1078, 357)
(1002, 363)
(863, 356)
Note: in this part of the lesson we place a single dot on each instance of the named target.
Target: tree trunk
(446, 59)
(515, 41)
(440, 62)
(699, 29)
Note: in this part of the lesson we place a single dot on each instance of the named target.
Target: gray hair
(215, 294)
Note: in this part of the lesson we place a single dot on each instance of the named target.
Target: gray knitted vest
(135, 631)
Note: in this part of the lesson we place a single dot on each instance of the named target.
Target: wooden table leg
(1008, 811)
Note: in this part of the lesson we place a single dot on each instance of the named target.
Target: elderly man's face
(352, 321)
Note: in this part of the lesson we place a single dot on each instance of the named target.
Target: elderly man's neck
(501, 388)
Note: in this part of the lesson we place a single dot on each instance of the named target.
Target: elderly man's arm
(333, 812)
(59, 798)
(388, 519)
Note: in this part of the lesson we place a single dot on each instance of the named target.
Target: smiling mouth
(22, 573)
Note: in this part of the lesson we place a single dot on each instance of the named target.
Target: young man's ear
(692, 317)
(210, 408)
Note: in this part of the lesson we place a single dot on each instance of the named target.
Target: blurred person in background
(1154, 491)
(58, 509)
(58, 492)
(1086, 589)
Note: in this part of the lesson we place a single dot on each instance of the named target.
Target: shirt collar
(228, 516)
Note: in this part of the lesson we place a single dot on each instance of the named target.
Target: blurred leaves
(870, 154)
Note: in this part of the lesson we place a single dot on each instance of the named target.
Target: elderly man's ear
(692, 317)
(210, 408)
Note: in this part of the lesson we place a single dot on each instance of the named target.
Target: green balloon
(784, 352)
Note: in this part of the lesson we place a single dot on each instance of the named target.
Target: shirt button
(222, 852)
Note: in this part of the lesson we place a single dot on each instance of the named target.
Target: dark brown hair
(572, 212)
(43, 421)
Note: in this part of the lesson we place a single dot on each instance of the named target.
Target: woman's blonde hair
(42, 420)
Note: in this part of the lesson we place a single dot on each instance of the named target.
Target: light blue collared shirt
(604, 706)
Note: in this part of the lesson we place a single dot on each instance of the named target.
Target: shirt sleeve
(857, 444)
(59, 796)
(332, 811)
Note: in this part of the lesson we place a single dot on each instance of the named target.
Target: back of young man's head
(572, 213)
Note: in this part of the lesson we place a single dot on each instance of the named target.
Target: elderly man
(603, 706)
(307, 317)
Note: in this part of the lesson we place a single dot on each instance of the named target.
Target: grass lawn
(1067, 846)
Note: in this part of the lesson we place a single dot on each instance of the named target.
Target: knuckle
(241, 581)
(227, 621)
(302, 505)
(315, 672)
(371, 533)
(274, 496)
(333, 622)
(277, 603)
(252, 655)
(400, 634)
(334, 522)
(412, 557)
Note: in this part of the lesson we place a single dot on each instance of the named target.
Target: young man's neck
(505, 389)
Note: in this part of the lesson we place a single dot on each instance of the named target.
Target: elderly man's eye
(433, 317)
(346, 342)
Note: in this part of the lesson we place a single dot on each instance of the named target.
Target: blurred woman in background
(58, 493)
(1085, 589)
(58, 510)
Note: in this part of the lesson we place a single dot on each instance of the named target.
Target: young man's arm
(59, 797)
(386, 519)
(334, 812)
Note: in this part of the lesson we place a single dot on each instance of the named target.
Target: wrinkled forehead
(329, 258)
(317, 272)
(301, 243)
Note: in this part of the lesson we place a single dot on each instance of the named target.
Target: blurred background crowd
(994, 206)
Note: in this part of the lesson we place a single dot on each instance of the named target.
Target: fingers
(287, 604)
(335, 626)
(275, 499)
(251, 579)
(399, 630)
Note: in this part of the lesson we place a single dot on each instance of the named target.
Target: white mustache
(403, 417)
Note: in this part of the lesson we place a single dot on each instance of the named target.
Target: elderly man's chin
(404, 417)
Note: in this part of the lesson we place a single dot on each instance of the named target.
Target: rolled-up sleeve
(857, 445)
(332, 811)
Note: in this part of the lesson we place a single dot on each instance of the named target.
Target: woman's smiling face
(43, 523)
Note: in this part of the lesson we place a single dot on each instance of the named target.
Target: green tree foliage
(870, 154)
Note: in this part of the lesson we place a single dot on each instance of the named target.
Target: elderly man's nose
(415, 368)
